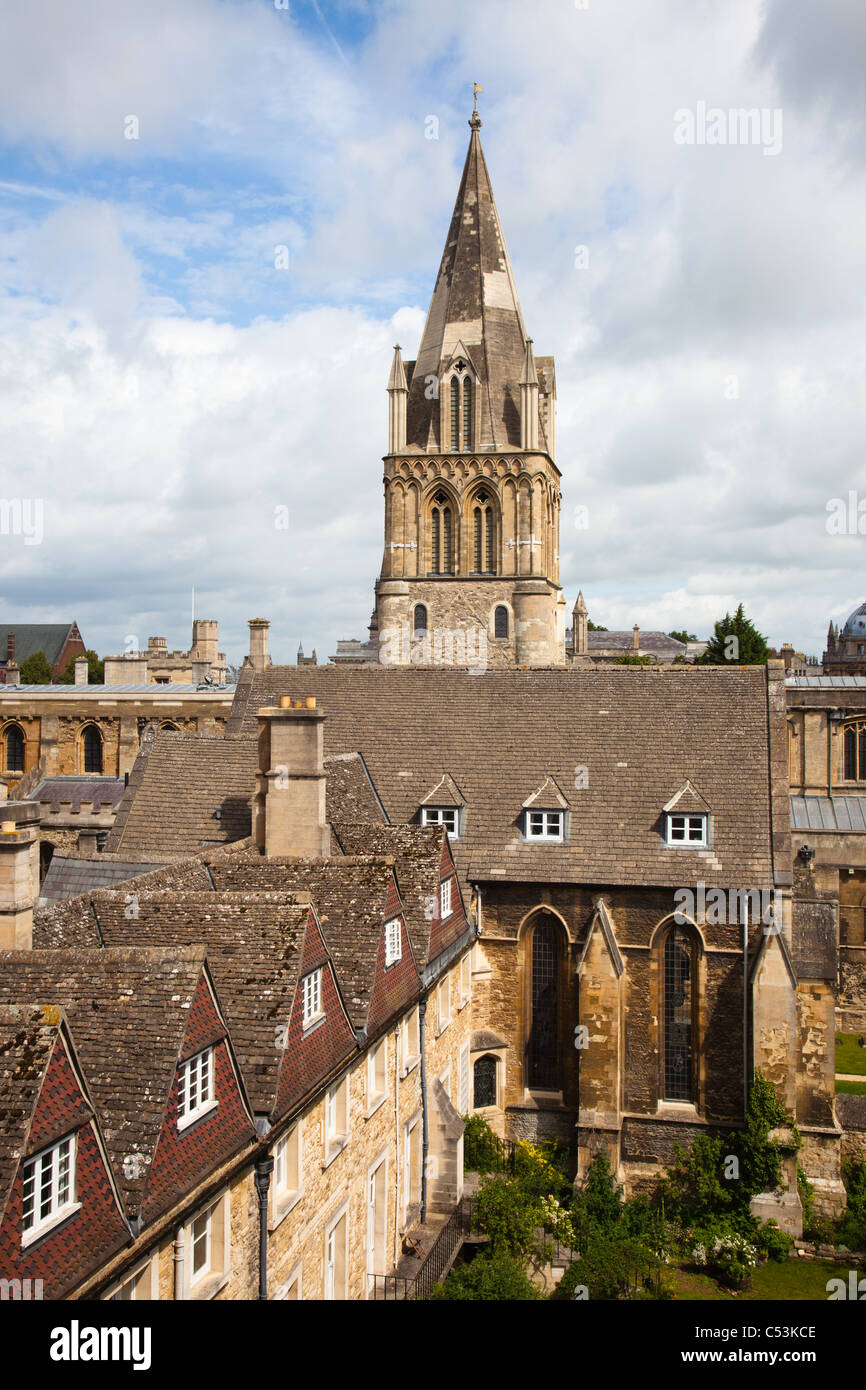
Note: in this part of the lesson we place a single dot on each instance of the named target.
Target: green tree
(508, 1215)
(36, 670)
(735, 642)
(631, 660)
(95, 670)
(683, 636)
(594, 627)
(490, 1277)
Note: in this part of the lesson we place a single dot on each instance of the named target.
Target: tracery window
(542, 1051)
(854, 745)
(484, 530)
(461, 408)
(484, 1083)
(678, 1015)
(441, 535)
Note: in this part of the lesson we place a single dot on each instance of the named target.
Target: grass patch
(795, 1280)
(849, 1056)
(851, 1088)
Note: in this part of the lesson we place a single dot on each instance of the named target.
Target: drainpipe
(179, 1262)
(745, 915)
(425, 1126)
(264, 1168)
(396, 1146)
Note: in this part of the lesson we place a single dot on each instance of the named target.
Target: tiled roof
(179, 781)
(127, 1011)
(91, 791)
(253, 942)
(621, 741)
(27, 1036)
(31, 638)
(68, 875)
(624, 641)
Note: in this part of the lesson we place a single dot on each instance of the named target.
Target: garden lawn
(791, 1281)
(849, 1057)
(851, 1088)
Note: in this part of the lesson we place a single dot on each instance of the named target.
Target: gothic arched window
(460, 406)
(854, 744)
(500, 621)
(678, 1011)
(419, 618)
(484, 1083)
(484, 531)
(543, 1046)
(14, 749)
(91, 744)
(441, 536)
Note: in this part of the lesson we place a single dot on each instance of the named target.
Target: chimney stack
(259, 658)
(81, 670)
(10, 648)
(13, 674)
(289, 811)
(636, 639)
(19, 873)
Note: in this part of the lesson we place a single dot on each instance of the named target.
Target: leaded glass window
(678, 1015)
(484, 1089)
(543, 1059)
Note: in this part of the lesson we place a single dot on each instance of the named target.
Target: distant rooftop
(107, 692)
(824, 682)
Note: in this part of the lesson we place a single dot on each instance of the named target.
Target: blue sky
(167, 383)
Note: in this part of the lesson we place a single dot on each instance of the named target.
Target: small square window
(195, 1089)
(312, 997)
(445, 898)
(442, 815)
(393, 941)
(687, 830)
(544, 825)
(49, 1188)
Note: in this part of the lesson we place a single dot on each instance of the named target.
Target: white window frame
(216, 1273)
(311, 994)
(410, 1186)
(50, 1158)
(331, 1240)
(393, 942)
(143, 1284)
(449, 816)
(410, 1041)
(288, 1166)
(690, 822)
(443, 992)
(446, 898)
(188, 1071)
(294, 1281)
(337, 1119)
(544, 826)
(377, 1076)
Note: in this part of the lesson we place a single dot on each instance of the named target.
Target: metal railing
(435, 1265)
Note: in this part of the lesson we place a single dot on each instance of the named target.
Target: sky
(218, 216)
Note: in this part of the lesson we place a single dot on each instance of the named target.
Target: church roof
(475, 308)
(856, 624)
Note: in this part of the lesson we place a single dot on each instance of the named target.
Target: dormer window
(195, 1090)
(311, 986)
(687, 830)
(393, 942)
(544, 825)
(442, 815)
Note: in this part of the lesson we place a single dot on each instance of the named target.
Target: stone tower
(470, 572)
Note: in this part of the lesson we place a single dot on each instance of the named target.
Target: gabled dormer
(687, 820)
(444, 805)
(544, 814)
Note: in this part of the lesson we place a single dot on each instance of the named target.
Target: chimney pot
(311, 702)
(285, 702)
(8, 827)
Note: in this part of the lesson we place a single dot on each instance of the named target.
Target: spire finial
(475, 119)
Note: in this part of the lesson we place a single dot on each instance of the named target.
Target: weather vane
(475, 90)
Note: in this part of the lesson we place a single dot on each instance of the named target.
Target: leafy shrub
(505, 1214)
(612, 1269)
(535, 1170)
(852, 1225)
(483, 1150)
(730, 1258)
(773, 1243)
(489, 1277)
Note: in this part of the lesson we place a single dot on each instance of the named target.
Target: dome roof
(856, 624)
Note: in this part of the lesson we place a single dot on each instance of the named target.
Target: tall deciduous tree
(36, 670)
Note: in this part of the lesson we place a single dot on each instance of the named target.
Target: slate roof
(624, 641)
(77, 791)
(254, 942)
(27, 1037)
(30, 638)
(128, 1011)
(70, 875)
(474, 306)
(842, 813)
(640, 732)
(180, 780)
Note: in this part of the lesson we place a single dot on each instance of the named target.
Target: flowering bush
(557, 1220)
(730, 1257)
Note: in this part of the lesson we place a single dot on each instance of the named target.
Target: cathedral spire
(474, 318)
(397, 393)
